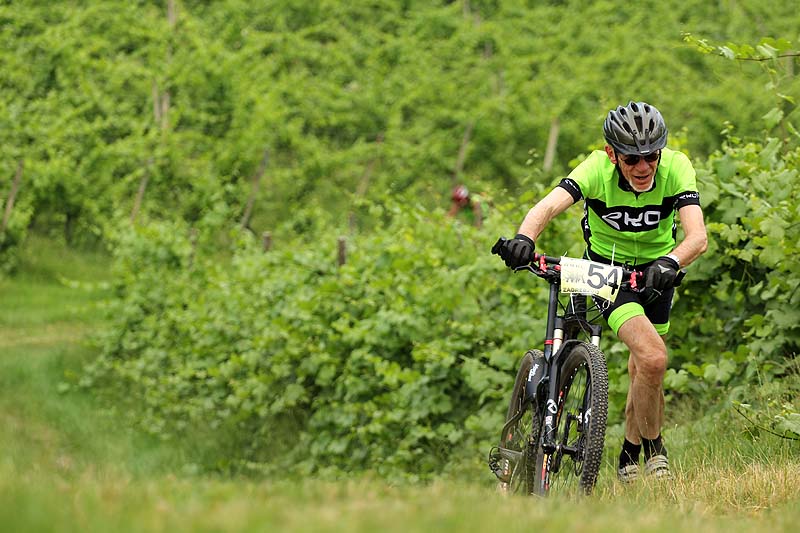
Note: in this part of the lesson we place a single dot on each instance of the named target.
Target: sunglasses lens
(633, 160)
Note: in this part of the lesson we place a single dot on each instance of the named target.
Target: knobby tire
(583, 390)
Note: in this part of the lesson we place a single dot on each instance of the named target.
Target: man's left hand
(661, 274)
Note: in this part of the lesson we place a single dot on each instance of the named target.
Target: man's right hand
(518, 251)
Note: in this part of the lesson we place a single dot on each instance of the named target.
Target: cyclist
(631, 192)
(463, 203)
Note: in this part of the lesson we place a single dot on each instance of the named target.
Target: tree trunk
(552, 141)
(137, 203)
(255, 181)
(462, 152)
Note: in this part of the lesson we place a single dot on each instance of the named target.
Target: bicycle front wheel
(582, 410)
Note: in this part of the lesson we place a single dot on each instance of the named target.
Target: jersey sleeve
(685, 192)
(583, 181)
(572, 188)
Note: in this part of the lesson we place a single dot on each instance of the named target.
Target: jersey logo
(626, 221)
(639, 219)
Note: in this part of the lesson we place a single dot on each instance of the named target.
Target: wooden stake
(341, 256)
(12, 196)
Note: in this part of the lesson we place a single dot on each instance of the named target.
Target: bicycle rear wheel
(580, 425)
(519, 441)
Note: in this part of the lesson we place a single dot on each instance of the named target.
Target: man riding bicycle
(631, 192)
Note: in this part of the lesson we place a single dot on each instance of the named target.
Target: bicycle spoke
(580, 423)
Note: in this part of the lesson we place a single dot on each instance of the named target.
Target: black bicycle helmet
(637, 128)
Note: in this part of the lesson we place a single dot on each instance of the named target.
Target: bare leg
(644, 410)
(632, 433)
(631, 427)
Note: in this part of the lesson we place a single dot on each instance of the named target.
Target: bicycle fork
(553, 342)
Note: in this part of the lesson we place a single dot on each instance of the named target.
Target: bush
(740, 303)
(398, 361)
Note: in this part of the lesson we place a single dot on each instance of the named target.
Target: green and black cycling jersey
(629, 227)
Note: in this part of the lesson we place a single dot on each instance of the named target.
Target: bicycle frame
(559, 342)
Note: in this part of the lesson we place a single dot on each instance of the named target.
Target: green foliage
(739, 319)
(397, 361)
(14, 235)
(118, 480)
(401, 359)
(402, 355)
(100, 98)
(778, 60)
(767, 49)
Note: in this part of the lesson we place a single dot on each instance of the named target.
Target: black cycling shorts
(655, 305)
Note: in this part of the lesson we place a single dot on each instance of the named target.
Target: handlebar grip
(639, 276)
(498, 246)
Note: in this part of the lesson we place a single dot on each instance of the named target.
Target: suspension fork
(550, 330)
(554, 350)
(554, 336)
(551, 405)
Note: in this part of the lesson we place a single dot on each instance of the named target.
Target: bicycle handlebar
(632, 277)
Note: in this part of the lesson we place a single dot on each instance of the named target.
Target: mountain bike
(556, 422)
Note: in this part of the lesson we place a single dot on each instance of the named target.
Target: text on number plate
(587, 277)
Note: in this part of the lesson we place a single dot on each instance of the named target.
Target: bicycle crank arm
(503, 463)
(504, 453)
(513, 420)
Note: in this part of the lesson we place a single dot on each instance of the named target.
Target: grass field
(68, 464)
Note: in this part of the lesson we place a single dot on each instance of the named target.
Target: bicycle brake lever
(634, 281)
(679, 278)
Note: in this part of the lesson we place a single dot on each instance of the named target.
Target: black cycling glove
(518, 251)
(662, 273)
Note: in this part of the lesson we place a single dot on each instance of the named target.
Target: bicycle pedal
(499, 465)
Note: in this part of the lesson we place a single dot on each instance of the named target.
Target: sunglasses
(633, 160)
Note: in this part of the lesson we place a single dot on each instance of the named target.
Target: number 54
(599, 277)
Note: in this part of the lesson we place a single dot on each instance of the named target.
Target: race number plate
(587, 277)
